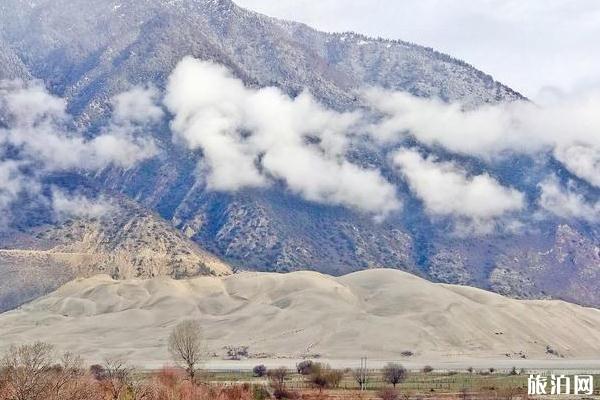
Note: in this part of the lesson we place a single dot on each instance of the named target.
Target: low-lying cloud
(567, 203)
(38, 137)
(252, 137)
(476, 202)
(258, 137)
(569, 127)
(67, 205)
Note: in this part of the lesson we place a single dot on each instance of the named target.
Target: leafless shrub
(31, 374)
(25, 370)
(277, 379)
(323, 376)
(68, 380)
(388, 394)
(117, 377)
(97, 371)
(140, 388)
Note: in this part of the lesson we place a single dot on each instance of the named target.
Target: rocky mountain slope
(12, 66)
(130, 242)
(381, 314)
(90, 51)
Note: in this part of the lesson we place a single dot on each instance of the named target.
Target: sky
(533, 46)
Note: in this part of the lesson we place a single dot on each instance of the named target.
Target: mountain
(381, 314)
(12, 67)
(130, 242)
(89, 51)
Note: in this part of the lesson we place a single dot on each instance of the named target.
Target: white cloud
(12, 183)
(137, 105)
(582, 161)
(79, 206)
(42, 139)
(566, 203)
(39, 126)
(476, 202)
(251, 136)
(570, 126)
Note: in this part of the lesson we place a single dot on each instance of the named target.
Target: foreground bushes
(35, 372)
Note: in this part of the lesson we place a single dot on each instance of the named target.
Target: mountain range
(88, 52)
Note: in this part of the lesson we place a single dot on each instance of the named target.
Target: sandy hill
(131, 242)
(380, 313)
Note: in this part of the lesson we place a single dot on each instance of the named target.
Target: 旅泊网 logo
(560, 384)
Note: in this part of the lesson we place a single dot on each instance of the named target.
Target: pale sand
(375, 313)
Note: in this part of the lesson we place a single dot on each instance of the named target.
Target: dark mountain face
(89, 51)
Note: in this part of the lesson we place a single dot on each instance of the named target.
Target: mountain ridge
(65, 44)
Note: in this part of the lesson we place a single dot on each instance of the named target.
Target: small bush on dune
(427, 369)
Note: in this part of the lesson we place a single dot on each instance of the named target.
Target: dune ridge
(379, 313)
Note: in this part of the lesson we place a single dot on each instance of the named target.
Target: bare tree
(277, 377)
(142, 389)
(394, 374)
(185, 345)
(323, 377)
(66, 378)
(116, 378)
(277, 382)
(25, 369)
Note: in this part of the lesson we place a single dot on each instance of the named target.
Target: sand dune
(378, 313)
